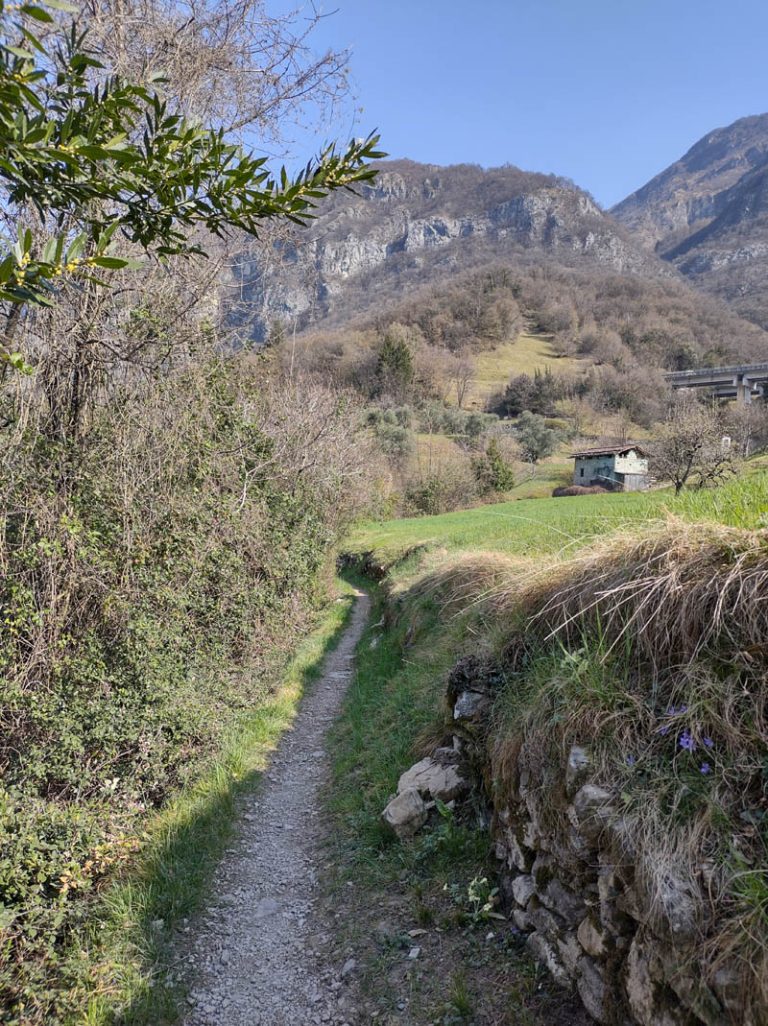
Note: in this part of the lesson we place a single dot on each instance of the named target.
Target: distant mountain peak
(708, 214)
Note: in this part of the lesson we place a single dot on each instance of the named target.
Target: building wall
(632, 463)
(595, 468)
(635, 483)
(631, 470)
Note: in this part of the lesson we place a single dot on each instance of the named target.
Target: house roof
(608, 450)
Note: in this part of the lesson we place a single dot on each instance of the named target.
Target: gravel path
(257, 958)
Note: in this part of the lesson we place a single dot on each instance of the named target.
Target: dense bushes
(155, 575)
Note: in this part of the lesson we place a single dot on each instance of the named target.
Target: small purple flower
(705, 768)
(683, 709)
(686, 741)
(631, 760)
(663, 730)
(708, 742)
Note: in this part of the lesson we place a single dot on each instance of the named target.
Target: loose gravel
(260, 955)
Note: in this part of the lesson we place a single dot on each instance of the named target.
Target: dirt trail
(257, 956)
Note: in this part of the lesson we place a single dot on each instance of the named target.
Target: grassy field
(525, 355)
(530, 527)
(522, 527)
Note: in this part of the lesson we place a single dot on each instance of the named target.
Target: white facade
(626, 469)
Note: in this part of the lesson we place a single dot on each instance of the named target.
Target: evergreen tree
(492, 471)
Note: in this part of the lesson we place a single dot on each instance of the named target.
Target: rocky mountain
(420, 223)
(707, 214)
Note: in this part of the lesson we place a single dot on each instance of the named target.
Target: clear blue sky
(607, 92)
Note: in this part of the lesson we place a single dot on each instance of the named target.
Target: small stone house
(622, 468)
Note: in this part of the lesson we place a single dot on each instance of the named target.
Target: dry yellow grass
(525, 355)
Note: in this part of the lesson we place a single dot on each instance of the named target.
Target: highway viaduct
(742, 382)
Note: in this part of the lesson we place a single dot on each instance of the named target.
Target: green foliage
(103, 157)
(535, 438)
(493, 472)
(438, 418)
(156, 579)
(537, 394)
(477, 900)
(394, 369)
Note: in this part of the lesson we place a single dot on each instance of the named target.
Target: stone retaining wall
(626, 934)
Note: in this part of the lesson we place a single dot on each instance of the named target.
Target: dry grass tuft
(470, 579)
(678, 591)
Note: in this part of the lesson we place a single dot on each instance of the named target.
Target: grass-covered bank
(430, 894)
(165, 882)
(643, 644)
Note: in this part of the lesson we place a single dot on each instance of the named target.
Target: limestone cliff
(417, 223)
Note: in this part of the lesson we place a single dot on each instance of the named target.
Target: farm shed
(618, 467)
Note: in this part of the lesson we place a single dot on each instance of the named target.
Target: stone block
(436, 778)
(569, 950)
(406, 814)
(564, 902)
(471, 707)
(543, 951)
(576, 769)
(522, 889)
(595, 940)
(594, 808)
(650, 1001)
(593, 990)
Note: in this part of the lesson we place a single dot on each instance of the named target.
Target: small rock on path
(257, 955)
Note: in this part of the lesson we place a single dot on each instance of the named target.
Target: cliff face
(707, 214)
(417, 223)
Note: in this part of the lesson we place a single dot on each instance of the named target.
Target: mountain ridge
(707, 215)
(417, 220)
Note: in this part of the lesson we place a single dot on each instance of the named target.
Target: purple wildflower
(631, 760)
(708, 742)
(705, 768)
(663, 730)
(686, 741)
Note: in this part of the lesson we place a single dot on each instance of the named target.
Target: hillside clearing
(526, 354)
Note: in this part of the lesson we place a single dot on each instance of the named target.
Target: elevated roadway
(742, 382)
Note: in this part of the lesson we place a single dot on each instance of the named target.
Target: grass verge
(427, 951)
(128, 947)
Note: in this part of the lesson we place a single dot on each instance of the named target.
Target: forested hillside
(570, 267)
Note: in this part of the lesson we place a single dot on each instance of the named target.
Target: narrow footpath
(257, 957)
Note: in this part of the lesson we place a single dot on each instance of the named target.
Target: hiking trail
(257, 958)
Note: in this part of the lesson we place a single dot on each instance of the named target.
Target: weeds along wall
(155, 573)
(615, 724)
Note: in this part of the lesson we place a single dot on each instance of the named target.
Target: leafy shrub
(440, 490)
(156, 577)
(535, 438)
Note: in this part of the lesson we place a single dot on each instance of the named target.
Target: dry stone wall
(578, 887)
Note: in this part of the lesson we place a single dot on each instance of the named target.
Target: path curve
(257, 957)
